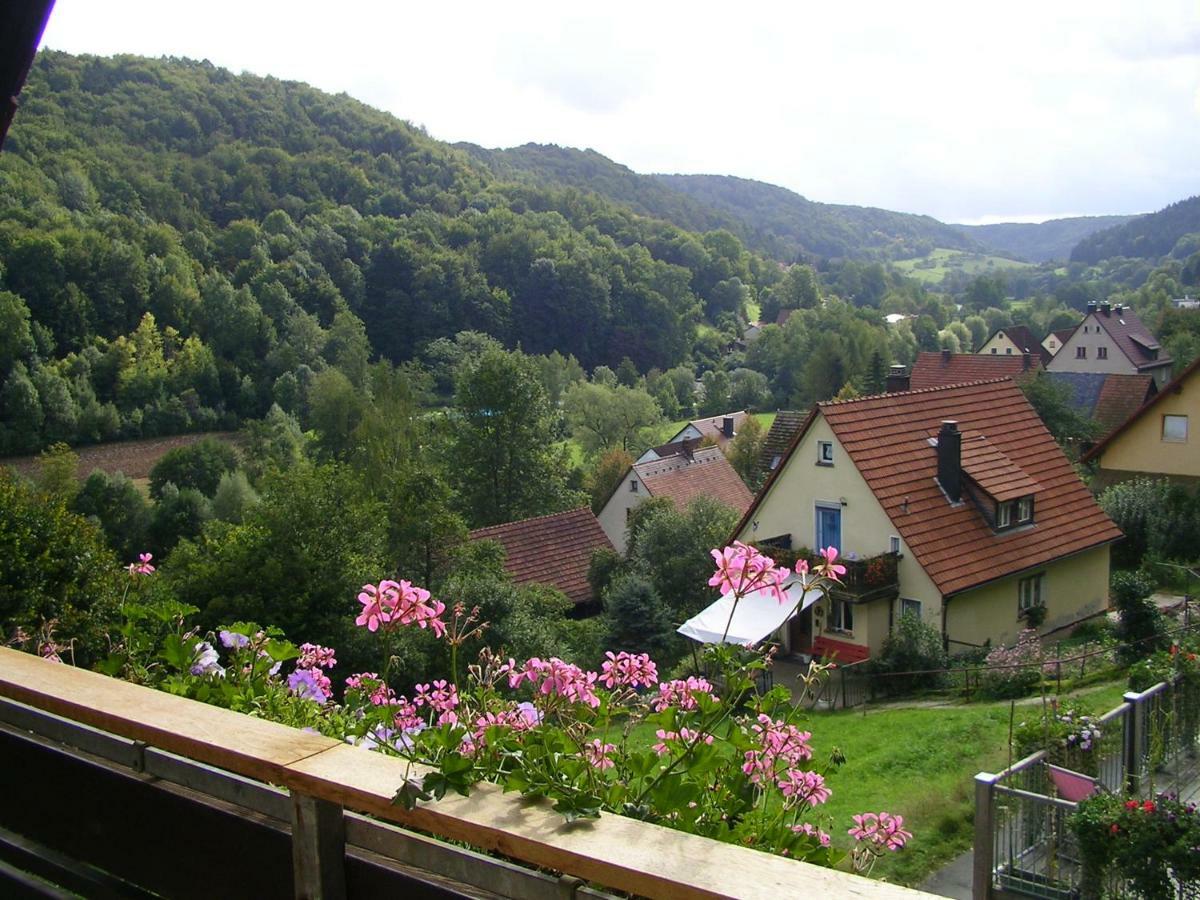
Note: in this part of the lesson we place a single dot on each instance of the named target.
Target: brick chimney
(1026, 360)
(727, 426)
(898, 380)
(946, 356)
(949, 460)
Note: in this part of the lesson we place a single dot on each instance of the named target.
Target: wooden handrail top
(617, 852)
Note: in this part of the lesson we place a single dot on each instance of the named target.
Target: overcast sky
(966, 111)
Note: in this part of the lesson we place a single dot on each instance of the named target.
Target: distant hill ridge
(1144, 237)
(1043, 241)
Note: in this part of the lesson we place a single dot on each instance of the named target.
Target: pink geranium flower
(829, 568)
(142, 566)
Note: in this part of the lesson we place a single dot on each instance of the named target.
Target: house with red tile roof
(1014, 341)
(555, 550)
(1159, 438)
(680, 478)
(719, 430)
(1112, 339)
(940, 368)
(960, 493)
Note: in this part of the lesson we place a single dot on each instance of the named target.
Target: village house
(1013, 341)
(1158, 439)
(1112, 339)
(680, 478)
(554, 550)
(952, 503)
(1054, 340)
(1105, 398)
(719, 430)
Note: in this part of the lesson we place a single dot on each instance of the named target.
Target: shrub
(1013, 671)
(199, 466)
(1140, 627)
(913, 647)
(637, 619)
(1070, 737)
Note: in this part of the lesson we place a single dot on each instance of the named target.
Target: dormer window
(1011, 513)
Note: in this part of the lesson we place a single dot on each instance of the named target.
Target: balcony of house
(114, 789)
(867, 578)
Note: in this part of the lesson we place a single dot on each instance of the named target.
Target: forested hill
(270, 230)
(785, 219)
(1146, 237)
(1043, 241)
(770, 219)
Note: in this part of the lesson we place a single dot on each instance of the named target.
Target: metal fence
(1023, 846)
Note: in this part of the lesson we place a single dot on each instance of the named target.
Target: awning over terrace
(756, 617)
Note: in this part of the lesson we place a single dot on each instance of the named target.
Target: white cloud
(958, 110)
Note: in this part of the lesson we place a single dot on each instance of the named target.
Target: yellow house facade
(1158, 439)
(863, 475)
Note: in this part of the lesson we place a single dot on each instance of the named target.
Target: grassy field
(932, 268)
(919, 762)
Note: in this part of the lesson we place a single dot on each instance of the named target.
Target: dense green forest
(1173, 230)
(1043, 241)
(180, 246)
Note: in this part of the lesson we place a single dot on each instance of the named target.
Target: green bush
(914, 646)
(198, 466)
(1140, 625)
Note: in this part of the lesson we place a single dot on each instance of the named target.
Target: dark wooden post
(318, 849)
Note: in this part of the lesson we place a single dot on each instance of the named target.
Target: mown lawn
(932, 268)
(918, 762)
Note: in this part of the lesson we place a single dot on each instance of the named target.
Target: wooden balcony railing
(330, 783)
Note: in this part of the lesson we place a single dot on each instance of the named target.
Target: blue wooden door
(829, 527)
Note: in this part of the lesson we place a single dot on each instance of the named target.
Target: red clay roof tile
(555, 550)
(705, 474)
(938, 369)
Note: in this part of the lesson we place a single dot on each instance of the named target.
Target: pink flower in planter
(812, 831)
(628, 670)
(799, 786)
(742, 570)
(394, 603)
(314, 656)
(882, 830)
(597, 754)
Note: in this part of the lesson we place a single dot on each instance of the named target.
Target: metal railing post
(1135, 724)
(985, 838)
(318, 849)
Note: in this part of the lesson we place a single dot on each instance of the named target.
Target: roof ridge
(941, 387)
(563, 512)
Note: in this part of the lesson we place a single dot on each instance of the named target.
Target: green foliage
(602, 417)
(57, 578)
(1148, 844)
(178, 514)
(604, 475)
(637, 620)
(1140, 625)
(1149, 236)
(912, 647)
(233, 497)
(746, 448)
(198, 466)
(501, 445)
(1051, 400)
(673, 547)
(115, 503)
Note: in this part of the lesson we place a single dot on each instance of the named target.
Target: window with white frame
(894, 544)
(1025, 510)
(824, 453)
(1029, 593)
(910, 607)
(1004, 514)
(1174, 429)
(633, 488)
(841, 615)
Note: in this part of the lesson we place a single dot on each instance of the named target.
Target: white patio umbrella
(757, 615)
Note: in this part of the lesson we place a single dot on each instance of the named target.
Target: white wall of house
(1052, 343)
(614, 517)
(1100, 354)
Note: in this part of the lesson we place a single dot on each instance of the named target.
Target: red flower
(1114, 829)
(1131, 804)
(1148, 806)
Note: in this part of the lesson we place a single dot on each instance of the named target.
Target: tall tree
(502, 442)
(602, 417)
